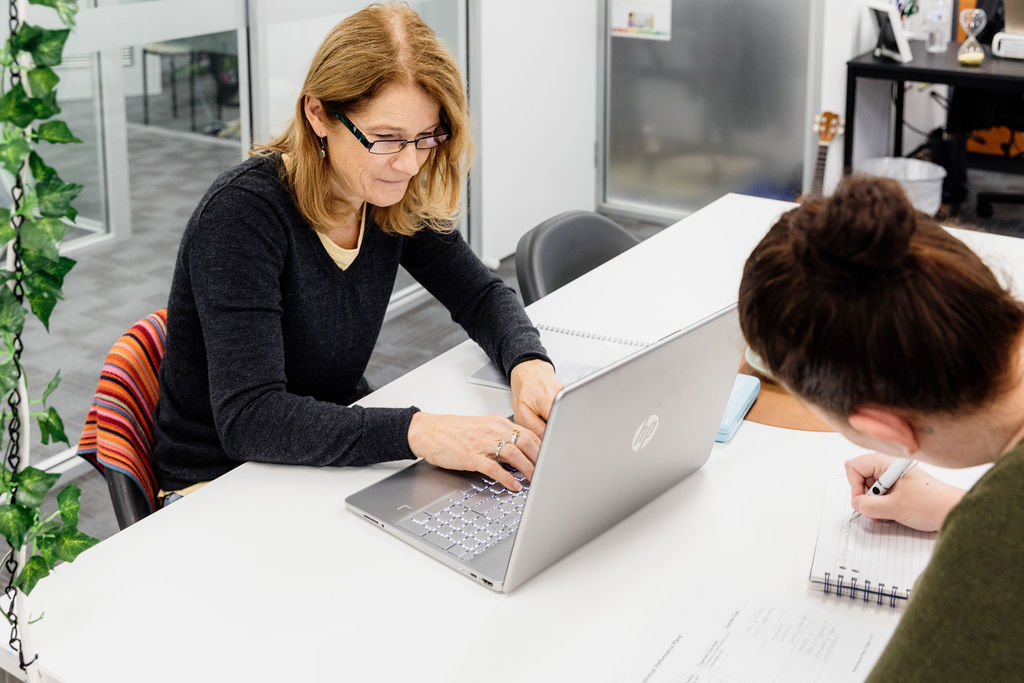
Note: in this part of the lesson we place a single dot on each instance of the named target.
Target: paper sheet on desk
(755, 640)
(574, 354)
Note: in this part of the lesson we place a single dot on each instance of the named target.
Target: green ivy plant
(34, 229)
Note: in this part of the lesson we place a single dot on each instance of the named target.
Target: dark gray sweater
(267, 339)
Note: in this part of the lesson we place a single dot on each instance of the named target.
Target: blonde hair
(382, 45)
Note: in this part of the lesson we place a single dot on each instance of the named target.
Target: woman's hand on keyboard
(456, 442)
(534, 386)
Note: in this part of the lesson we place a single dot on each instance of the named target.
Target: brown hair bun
(857, 299)
(862, 231)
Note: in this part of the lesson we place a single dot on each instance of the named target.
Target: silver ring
(497, 451)
(515, 437)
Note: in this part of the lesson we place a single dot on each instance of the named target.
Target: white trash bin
(921, 180)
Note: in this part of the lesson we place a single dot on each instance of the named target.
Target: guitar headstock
(827, 125)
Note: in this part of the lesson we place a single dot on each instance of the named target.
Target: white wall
(848, 32)
(533, 85)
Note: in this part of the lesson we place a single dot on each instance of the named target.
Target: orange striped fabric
(118, 432)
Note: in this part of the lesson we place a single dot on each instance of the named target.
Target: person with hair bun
(900, 338)
(287, 266)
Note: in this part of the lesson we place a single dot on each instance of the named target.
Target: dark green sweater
(267, 339)
(965, 619)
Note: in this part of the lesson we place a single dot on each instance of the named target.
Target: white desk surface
(263, 575)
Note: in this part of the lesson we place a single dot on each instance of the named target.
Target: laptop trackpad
(413, 487)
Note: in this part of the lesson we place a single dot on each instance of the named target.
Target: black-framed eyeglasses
(392, 146)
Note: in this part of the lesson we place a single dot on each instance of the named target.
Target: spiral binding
(592, 335)
(842, 583)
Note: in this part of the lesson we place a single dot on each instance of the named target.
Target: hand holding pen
(888, 479)
(912, 496)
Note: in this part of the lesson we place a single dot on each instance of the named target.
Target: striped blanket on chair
(118, 432)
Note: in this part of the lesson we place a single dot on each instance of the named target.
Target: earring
(323, 147)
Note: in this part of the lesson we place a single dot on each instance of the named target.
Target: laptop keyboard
(468, 522)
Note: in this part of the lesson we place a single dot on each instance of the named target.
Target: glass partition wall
(160, 93)
(720, 107)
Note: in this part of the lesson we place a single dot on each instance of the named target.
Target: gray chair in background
(564, 247)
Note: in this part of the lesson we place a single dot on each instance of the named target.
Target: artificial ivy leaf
(70, 543)
(25, 39)
(6, 59)
(46, 544)
(44, 236)
(15, 521)
(53, 271)
(46, 106)
(66, 9)
(12, 315)
(13, 153)
(17, 107)
(55, 197)
(44, 539)
(5, 225)
(67, 503)
(40, 171)
(34, 261)
(54, 383)
(42, 295)
(27, 210)
(33, 484)
(42, 81)
(8, 377)
(35, 568)
(43, 283)
(49, 48)
(51, 426)
(56, 132)
(51, 528)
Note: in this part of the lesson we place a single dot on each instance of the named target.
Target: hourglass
(971, 53)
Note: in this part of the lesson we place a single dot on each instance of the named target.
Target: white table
(263, 575)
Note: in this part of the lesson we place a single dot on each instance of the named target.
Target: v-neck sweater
(268, 340)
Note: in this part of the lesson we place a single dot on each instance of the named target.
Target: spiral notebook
(865, 560)
(575, 353)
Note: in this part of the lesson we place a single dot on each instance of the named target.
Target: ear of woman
(886, 425)
(315, 114)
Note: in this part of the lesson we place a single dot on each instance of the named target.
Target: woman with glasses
(902, 340)
(286, 268)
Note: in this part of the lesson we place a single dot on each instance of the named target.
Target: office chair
(118, 434)
(564, 247)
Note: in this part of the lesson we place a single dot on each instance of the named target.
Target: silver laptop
(615, 440)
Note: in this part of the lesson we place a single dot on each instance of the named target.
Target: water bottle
(938, 26)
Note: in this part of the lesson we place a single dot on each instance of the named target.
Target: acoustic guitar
(827, 125)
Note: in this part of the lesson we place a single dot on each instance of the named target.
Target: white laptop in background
(615, 440)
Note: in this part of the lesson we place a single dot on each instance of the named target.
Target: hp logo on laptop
(644, 433)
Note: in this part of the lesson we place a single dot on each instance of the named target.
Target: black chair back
(564, 247)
